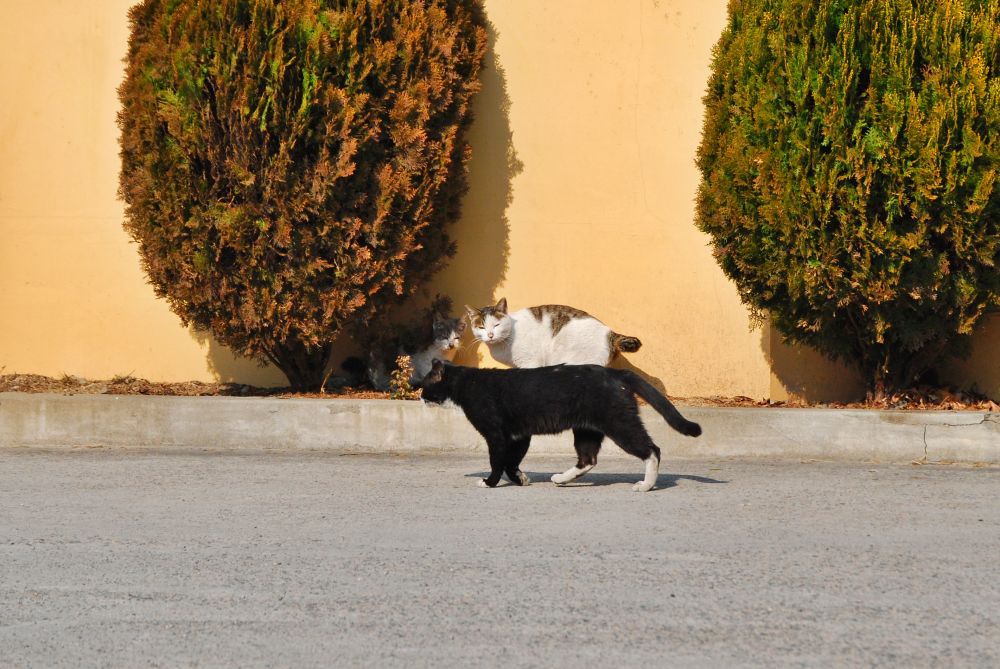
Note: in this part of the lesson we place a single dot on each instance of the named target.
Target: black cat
(507, 406)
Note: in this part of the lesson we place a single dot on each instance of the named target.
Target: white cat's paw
(482, 483)
(642, 486)
(559, 479)
(524, 478)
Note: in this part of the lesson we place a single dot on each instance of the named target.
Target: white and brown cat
(550, 334)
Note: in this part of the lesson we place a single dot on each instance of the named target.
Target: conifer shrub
(290, 167)
(849, 166)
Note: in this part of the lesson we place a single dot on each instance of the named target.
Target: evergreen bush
(849, 167)
(289, 168)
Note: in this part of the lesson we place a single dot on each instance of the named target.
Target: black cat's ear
(436, 373)
(501, 306)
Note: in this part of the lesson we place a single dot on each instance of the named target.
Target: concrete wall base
(370, 426)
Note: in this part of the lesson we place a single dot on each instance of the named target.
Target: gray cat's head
(491, 325)
(448, 333)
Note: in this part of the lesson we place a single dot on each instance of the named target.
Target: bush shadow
(980, 370)
(482, 233)
(228, 367)
(805, 374)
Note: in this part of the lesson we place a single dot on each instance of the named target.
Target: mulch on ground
(916, 399)
(130, 385)
(922, 398)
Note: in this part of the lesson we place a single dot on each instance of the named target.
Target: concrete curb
(369, 426)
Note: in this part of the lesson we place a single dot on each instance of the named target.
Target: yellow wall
(582, 192)
(584, 144)
(73, 298)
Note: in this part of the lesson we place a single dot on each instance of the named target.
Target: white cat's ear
(471, 313)
(501, 306)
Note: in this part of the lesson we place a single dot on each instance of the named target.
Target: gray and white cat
(550, 334)
(446, 337)
(443, 343)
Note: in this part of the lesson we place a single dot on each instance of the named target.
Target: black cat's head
(436, 385)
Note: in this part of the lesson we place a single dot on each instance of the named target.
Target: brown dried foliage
(290, 168)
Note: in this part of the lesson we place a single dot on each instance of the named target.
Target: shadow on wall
(622, 362)
(228, 367)
(805, 374)
(481, 234)
(981, 370)
(799, 372)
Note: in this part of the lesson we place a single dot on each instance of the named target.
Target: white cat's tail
(674, 419)
(623, 343)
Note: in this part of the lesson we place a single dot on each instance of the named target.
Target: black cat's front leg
(497, 446)
(517, 450)
(492, 480)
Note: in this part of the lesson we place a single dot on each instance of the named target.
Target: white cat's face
(491, 325)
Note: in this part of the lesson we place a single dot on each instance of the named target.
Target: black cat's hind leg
(587, 444)
(633, 439)
(517, 449)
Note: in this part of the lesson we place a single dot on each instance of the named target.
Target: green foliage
(849, 162)
(290, 167)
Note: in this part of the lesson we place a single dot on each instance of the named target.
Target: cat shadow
(594, 480)
(621, 362)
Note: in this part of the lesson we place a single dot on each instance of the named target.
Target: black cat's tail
(674, 419)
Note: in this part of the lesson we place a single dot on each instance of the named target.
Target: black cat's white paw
(649, 481)
(570, 475)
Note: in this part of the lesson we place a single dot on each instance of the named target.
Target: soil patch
(922, 398)
(916, 399)
(130, 385)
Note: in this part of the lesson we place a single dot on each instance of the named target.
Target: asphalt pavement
(121, 558)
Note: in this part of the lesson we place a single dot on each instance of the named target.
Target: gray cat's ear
(460, 328)
(501, 306)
